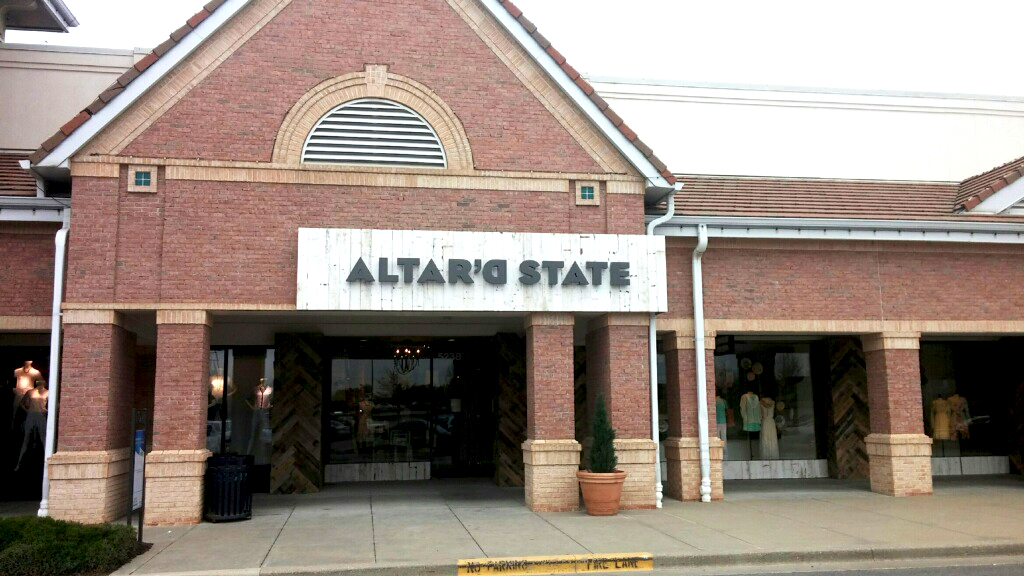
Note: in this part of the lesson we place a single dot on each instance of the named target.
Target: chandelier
(407, 357)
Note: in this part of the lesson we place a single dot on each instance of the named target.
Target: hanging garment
(940, 419)
(721, 424)
(769, 435)
(959, 417)
(259, 432)
(750, 411)
(720, 408)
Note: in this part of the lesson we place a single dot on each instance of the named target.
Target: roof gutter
(33, 209)
(846, 229)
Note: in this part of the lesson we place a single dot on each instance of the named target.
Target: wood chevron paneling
(848, 417)
(509, 469)
(296, 466)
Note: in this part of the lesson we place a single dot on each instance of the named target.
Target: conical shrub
(602, 451)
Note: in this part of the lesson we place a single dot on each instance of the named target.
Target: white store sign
(419, 270)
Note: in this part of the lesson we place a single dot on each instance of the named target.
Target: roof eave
(55, 162)
(657, 185)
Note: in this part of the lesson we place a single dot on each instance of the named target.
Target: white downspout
(61, 241)
(702, 376)
(652, 354)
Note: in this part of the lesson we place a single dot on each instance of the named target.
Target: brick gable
(235, 112)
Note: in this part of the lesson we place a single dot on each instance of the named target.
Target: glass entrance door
(398, 402)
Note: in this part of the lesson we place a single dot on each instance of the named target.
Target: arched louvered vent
(371, 131)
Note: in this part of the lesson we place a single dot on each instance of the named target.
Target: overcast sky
(909, 45)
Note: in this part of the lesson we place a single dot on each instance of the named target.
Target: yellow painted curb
(573, 564)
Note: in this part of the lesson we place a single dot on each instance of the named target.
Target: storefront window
(967, 391)
(391, 410)
(764, 401)
(240, 397)
(23, 415)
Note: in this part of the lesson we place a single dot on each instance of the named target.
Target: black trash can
(228, 494)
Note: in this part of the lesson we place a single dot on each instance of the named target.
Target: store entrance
(399, 409)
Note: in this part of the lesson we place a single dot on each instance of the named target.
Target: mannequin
(959, 417)
(24, 382)
(260, 412)
(35, 421)
(940, 419)
(769, 435)
(363, 433)
(720, 419)
(750, 412)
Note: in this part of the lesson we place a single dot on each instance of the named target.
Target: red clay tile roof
(176, 36)
(814, 198)
(125, 79)
(589, 91)
(976, 189)
(13, 180)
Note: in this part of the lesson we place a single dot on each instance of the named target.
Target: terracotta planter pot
(601, 492)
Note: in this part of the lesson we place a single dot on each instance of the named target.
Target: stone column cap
(549, 319)
(108, 317)
(183, 317)
(619, 319)
(891, 341)
(686, 341)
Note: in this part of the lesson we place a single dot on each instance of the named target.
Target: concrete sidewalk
(425, 527)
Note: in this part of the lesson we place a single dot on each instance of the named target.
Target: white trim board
(1002, 201)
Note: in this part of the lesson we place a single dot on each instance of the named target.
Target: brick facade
(220, 232)
(26, 269)
(425, 40)
(791, 280)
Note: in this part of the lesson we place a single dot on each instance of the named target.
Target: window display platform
(376, 472)
(970, 465)
(774, 469)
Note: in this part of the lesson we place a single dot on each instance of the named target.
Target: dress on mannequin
(260, 415)
(940, 419)
(720, 420)
(750, 412)
(959, 417)
(769, 435)
(35, 421)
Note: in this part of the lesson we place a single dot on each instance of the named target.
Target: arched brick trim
(374, 82)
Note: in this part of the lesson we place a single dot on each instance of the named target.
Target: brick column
(551, 454)
(899, 454)
(175, 467)
(682, 448)
(619, 370)
(89, 472)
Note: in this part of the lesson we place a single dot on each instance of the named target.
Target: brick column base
(89, 487)
(636, 459)
(174, 486)
(551, 466)
(683, 455)
(900, 464)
